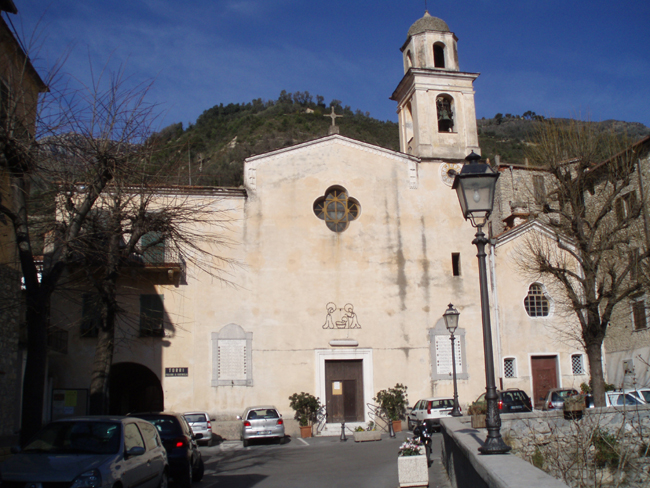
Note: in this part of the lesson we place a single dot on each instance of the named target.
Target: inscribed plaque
(232, 359)
(443, 355)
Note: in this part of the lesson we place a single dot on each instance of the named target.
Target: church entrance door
(544, 377)
(344, 391)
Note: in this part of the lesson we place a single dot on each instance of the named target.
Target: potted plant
(412, 468)
(478, 410)
(574, 407)
(394, 402)
(306, 407)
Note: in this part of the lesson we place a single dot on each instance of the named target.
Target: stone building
(20, 85)
(348, 255)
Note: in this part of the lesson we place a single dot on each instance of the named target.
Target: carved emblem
(341, 318)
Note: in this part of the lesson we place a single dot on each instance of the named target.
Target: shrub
(393, 401)
(306, 407)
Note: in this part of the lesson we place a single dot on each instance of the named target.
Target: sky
(569, 58)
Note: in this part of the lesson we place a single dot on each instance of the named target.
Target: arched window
(536, 302)
(445, 106)
(439, 55)
(337, 209)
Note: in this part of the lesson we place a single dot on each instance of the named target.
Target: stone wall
(584, 452)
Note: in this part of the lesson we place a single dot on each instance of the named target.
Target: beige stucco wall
(521, 336)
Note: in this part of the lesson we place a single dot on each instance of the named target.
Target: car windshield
(198, 417)
(446, 403)
(562, 394)
(517, 396)
(263, 413)
(83, 437)
(167, 425)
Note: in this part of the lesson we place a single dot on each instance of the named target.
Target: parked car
(200, 423)
(617, 399)
(261, 423)
(642, 394)
(185, 462)
(432, 409)
(511, 401)
(89, 452)
(556, 396)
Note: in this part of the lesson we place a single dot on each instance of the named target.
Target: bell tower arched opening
(445, 108)
(439, 55)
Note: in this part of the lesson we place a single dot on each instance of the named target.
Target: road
(314, 462)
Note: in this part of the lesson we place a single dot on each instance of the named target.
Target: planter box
(368, 435)
(478, 421)
(305, 431)
(412, 470)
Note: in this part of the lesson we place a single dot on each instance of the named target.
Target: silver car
(556, 396)
(261, 423)
(200, 423)
(90, 452)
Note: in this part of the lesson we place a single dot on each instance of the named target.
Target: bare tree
(596, 224)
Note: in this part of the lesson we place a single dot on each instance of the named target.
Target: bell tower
(435, 100)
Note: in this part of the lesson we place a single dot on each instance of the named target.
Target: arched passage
(134, 388)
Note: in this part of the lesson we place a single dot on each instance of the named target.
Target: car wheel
(411, 424)
(245, 442)
(197, 474)
(186, 481)
(209, 443)
(164, 480)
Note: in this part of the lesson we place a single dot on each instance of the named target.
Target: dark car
(185, 462)
(511, 401)
(106, 451)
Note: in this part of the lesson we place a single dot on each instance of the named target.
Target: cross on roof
(333, 116)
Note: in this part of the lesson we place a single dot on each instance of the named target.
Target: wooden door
(544, 377)
(344, 394)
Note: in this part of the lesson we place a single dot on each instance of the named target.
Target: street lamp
(475, 185)
(451, 321)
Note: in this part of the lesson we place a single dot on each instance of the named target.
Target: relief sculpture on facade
(341, 318)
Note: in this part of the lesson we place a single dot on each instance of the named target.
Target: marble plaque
(443, 355)
(232, 359)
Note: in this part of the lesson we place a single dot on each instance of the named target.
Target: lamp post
(451, 321)
(475, 185)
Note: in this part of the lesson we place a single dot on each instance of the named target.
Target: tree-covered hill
(212, 151)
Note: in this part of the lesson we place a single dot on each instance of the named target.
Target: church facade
(347, 255)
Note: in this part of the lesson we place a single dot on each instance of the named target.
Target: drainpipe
(495, 301)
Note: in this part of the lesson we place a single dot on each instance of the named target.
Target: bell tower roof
(427, 23)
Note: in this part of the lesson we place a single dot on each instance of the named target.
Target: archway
(133, 387)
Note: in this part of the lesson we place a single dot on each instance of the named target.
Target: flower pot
(574, 408)
(397, 426)
(412, 470)
(478, 421)
(305, 431)
(367, 435)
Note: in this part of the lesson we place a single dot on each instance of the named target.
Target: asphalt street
(314, 462)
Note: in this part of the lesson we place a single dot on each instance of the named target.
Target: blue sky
(589, 59)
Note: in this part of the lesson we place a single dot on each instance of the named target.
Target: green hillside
(212, 151)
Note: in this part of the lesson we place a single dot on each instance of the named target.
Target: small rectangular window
(639, 315)
(509, 368)
(577, 365)
(539, 190)
(634, 265)
(151, 315)
(91, 314)
(455, 263)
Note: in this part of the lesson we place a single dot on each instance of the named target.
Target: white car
(430, 409)
(90, 452)
(261, 423)
(200, 423)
